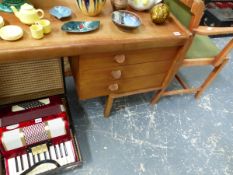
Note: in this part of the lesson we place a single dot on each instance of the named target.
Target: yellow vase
(91, 7)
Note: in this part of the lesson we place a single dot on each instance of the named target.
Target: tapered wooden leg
(157, 96)
(210, 78)
(108, 106)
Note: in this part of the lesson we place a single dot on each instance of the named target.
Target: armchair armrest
(204, 30)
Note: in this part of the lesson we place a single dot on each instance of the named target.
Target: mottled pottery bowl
(80, 26)
(91, 7)
(126, 19)
(60, 12)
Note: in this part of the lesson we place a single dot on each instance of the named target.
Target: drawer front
(124, 72)
(92, 89)
(105, 60)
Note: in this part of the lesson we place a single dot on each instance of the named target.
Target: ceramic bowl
(5, 5)
(11, 32)
(126, 19)
(60, 12)
(80, 26)
(91, 7)
(141, 5)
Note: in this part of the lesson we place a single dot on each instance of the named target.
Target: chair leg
(182, 83)
(157, 96)
(210, 78)
(108, 106)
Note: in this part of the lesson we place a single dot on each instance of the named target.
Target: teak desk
(110, 61)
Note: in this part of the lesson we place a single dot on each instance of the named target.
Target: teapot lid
(26, 6)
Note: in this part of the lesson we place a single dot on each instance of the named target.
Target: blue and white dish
(60, 12)
(126, 19)
(80, 26)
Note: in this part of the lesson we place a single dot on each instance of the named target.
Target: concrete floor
(178, 136)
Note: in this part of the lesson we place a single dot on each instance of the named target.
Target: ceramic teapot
(27, 14)
(141, 5)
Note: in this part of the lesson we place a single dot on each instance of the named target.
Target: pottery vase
(91, 7)
(119, 4)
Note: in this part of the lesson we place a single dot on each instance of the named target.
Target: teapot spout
(16, 12)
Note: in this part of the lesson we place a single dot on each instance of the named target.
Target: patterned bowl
(126, 19)
(91, 7)
(60, 12)
(80, 26)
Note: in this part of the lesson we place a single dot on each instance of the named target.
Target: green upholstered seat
(202, 47)
(180, 11)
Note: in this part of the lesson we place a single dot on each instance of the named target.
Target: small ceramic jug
(119, 4)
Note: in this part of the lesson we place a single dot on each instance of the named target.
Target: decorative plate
(11, 32)
(126, 19)
(80, 26)
(60, 12)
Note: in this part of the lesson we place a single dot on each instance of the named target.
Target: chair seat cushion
(202, 47)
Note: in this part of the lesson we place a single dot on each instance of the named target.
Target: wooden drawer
(92, 89)
(124, 72)
(105, 60)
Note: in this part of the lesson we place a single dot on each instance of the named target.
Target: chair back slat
(188, 3)
(188, 12)
(197, 10)
(180, 11)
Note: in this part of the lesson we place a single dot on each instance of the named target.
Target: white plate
(11, 32)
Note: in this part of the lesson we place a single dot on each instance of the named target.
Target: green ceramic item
(5, 5)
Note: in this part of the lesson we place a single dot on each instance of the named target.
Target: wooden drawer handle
(116, 74)
(113, 87)
(120, 58)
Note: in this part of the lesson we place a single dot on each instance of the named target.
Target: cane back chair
(202, 51)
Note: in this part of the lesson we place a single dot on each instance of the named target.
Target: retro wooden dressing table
(110, 61)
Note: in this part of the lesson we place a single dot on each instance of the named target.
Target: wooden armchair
(202, 51)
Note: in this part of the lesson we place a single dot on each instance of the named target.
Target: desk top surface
(107, 38)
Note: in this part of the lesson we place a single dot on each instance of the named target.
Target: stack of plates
(11, 32)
